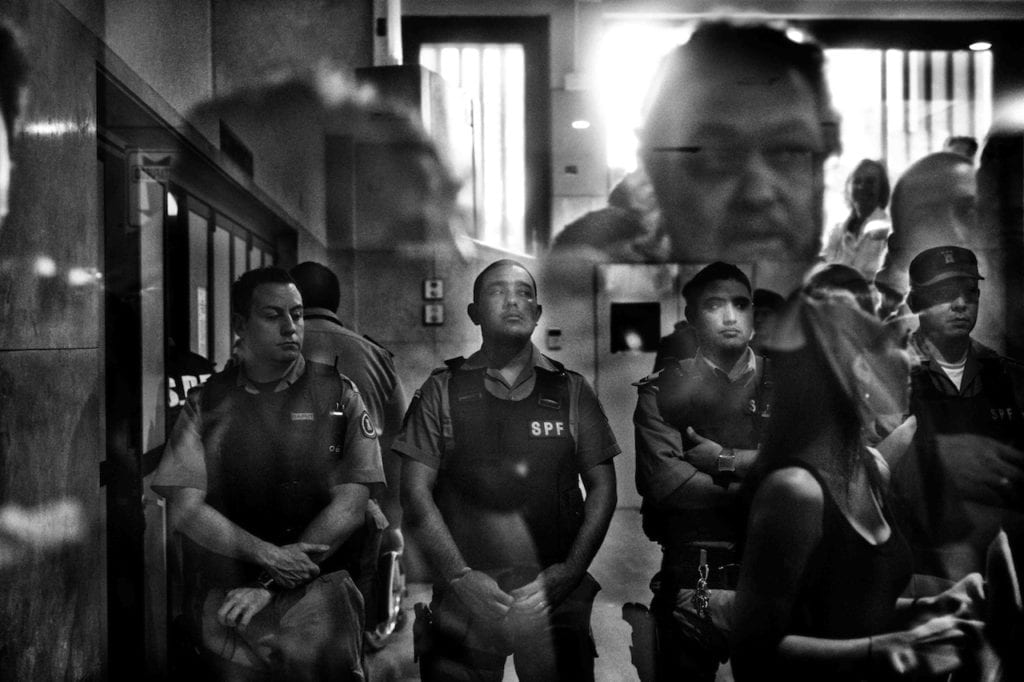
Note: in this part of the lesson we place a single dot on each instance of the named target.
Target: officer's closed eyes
(501, 291)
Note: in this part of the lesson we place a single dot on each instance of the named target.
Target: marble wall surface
(52, 623)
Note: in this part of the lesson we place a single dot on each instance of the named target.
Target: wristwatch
(727, 461)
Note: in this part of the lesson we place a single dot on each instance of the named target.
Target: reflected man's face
(937, 206)
(736, 164)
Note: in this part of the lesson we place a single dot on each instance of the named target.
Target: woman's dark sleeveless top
(850, 586)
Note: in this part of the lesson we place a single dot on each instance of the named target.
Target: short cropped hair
(318, 285)
(478, 282)
(767, 44)
(716, 272)
(243, 287)
(970, 142)
(13, 77)
(926, 165)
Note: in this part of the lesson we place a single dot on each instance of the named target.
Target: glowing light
(45, 266)
(79, 277)
(796, 35)
(580, 124)
(55, 128)
(172, 205)
(633, 340)
(980, 46)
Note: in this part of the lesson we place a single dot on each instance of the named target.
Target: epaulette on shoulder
(378, 344)
(559, 367)
(453, 363)
(648, 380)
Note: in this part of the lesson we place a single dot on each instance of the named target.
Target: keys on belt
(701, 597)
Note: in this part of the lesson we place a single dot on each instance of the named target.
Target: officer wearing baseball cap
(964, 475)
(942, 263)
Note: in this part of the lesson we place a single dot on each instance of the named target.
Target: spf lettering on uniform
(548, 429)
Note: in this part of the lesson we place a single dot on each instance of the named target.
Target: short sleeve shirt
(428, 426)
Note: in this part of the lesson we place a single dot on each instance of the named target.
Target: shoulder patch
(366, 425)
(648, 380)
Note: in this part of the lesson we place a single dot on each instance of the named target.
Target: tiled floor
(623, 566)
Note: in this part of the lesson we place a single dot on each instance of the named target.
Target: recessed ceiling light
(980, 46)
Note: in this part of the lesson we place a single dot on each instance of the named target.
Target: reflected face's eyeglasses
(785, 159)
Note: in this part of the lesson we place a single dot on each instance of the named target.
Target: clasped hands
(532, 602)
(289, 565)
(941, 629)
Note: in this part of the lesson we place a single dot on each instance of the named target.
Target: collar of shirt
(322, 312)
(524, 383)
(923, 357)
(746, 365)
(290, 377)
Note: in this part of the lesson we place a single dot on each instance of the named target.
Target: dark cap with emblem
(941, 263)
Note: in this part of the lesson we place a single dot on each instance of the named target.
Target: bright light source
(796, 35)
(45, 266)
(172, 205)
(79, 277)
(580, 124)
(980, 46)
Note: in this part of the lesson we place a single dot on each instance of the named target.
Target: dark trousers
(690, 646)
(457, 648)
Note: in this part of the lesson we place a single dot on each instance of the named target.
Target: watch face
(727, 460)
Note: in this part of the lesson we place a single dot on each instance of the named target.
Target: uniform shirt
(429, 426)
(368, 365)
(659, 470)
(184, 463)
(970, 382)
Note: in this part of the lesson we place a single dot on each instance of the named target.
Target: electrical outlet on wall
(433, 314)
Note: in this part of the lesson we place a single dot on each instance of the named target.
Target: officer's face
(725, 317)
(949, 310)
(272, 334)
(735, 163)
(507, 306)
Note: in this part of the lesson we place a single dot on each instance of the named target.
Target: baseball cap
(942, 263)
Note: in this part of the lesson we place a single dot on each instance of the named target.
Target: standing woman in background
(860, 240)
(824, 565)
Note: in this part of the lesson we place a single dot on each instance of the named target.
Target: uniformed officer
(267, 472)
(372, 369)
(494, 447)
(698, 425)
(964, 475)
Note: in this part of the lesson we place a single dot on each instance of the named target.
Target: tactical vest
(508, 487)
(734, 416)
(993, 412)
(267, 458)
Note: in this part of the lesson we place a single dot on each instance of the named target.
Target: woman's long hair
(810, 398)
